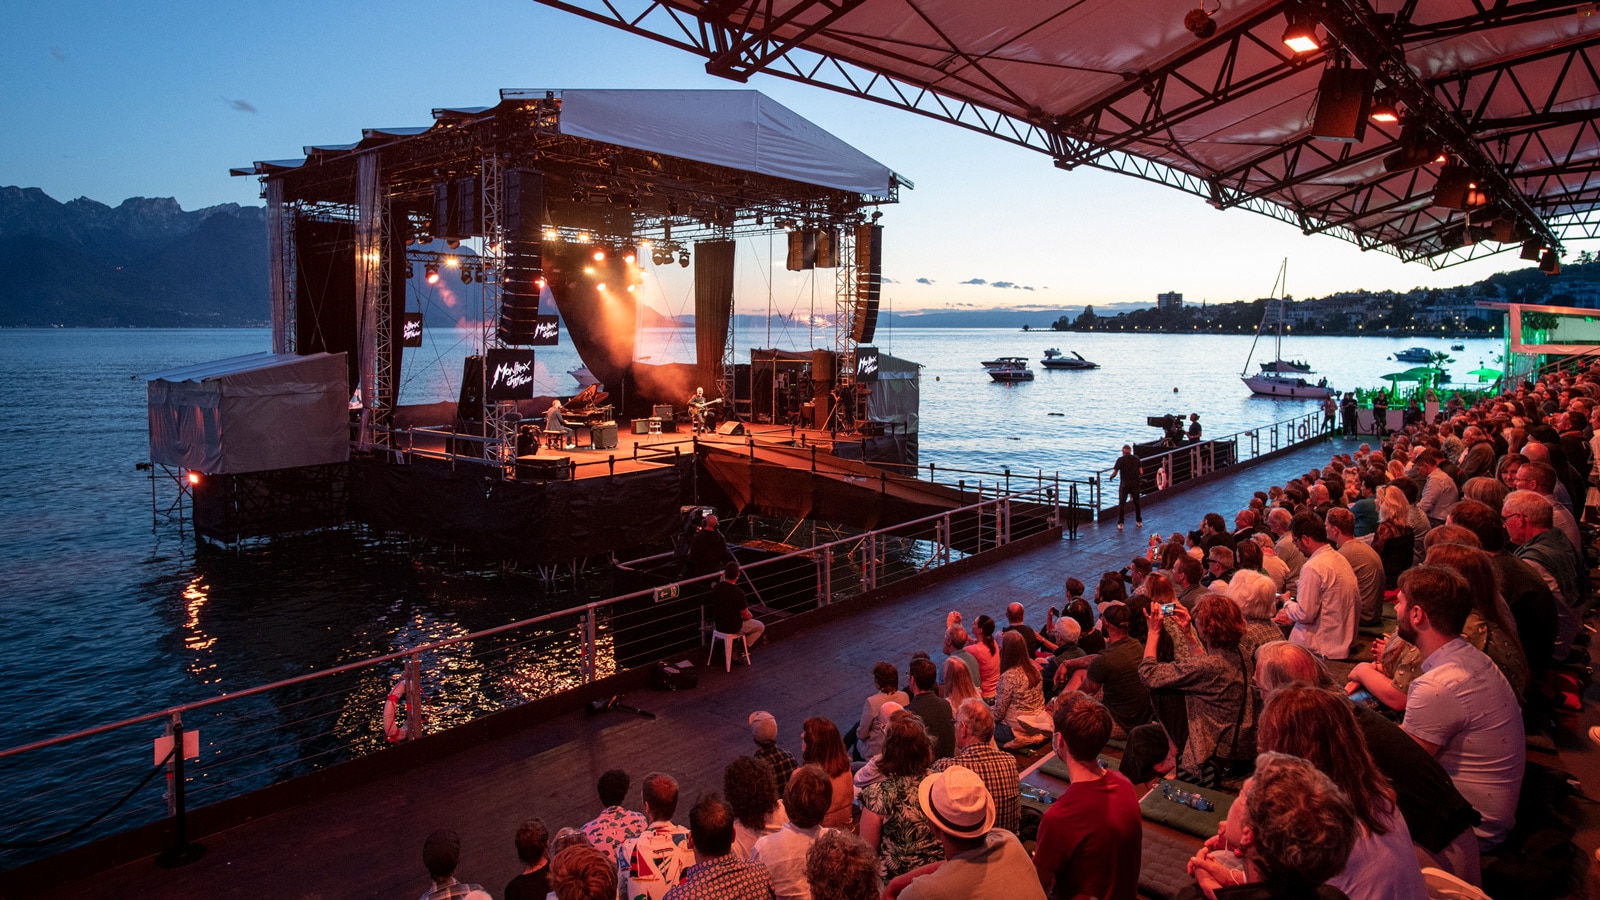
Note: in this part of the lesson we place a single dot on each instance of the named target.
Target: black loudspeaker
(603, 437)
(442, 226)
(469, 407)
(464, 215)
(1344, 98)
(731, 428)
(520, 322)
(869, 282)
(802, 251)
(1451, 189)
(827, 248)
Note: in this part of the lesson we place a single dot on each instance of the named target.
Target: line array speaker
(869, 282)
(1344, 98)
(524, 264)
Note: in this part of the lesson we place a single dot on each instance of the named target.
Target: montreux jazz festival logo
(512, 375)
(546, 331)
(413, 329)
(867, 365)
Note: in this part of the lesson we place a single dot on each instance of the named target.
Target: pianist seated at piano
(553, 423)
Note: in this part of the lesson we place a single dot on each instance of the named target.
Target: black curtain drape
(713, 307)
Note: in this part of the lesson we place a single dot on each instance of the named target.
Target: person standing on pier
(1128, 477)
(1347, 412)
(1194, 428)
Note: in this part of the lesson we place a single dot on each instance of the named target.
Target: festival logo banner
(411, 332)
(866, 364)
(546, 332)
(510, 374)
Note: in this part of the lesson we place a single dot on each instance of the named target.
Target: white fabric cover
(251, 413)
(739, 129)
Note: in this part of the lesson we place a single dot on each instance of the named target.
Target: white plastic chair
(1444, 886)
(727, 648)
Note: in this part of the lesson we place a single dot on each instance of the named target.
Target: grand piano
(592, 420)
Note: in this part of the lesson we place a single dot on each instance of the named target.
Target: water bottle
(1187, 798)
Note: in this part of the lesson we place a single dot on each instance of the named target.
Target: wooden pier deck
(366, 841)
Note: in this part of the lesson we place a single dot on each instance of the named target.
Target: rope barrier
(29, 845)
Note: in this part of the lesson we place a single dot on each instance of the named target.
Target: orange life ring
(395, 731)
(1161, 479)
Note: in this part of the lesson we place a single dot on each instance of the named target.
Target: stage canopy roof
(1508, 90)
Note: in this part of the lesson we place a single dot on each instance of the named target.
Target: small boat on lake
(1009, 368)
(1414, 354)
(1458, 346)
(1055, 359)
(1288, 379)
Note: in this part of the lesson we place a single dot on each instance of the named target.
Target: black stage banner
(546, 332)
(411, 335)
(866, 364)
(510, 374)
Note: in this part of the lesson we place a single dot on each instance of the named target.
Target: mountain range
(146, 262)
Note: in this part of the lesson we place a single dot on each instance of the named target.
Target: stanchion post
(413, 675)
(182, 851)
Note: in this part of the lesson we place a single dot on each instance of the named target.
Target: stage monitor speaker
(731, 428)
(469, 406)
(1344, 98)
(603, 437)
(869, 282)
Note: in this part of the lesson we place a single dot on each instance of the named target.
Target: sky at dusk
(112, 100)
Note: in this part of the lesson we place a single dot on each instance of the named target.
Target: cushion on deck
(1188, 820)
(1164, 864)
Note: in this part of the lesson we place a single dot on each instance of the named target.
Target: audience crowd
(1361, 657)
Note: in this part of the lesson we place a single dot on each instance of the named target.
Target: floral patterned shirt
(613, 826)
(906, 840)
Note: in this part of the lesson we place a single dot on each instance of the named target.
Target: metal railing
(254, 738)
(1189, 461)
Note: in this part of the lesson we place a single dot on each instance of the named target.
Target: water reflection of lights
(196, 594)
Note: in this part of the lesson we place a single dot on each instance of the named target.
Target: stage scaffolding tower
(498, 430)
(844, 313)
(281, 218)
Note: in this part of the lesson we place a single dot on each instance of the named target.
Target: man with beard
(1461, 709)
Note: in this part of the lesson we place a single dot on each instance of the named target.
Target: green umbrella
(1409, 375)
(1483, 374)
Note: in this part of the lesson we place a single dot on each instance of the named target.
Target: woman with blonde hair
(1019, 716)
(958, 684)
(1395, 539)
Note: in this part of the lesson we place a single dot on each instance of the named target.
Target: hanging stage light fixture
(466, 274)
(431, 273)
(1384, 110)
(683, 258)
(1200, 23)
(1301, 34)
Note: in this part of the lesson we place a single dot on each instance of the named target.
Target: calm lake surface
(109, 616)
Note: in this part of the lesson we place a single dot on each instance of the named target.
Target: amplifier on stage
(641, 426)
(544, 468)
(603, 437)
(662, 411)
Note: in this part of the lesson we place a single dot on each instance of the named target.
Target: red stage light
(599, 256)
(601, 286)
(194, 477)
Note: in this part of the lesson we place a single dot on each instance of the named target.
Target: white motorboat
(1414, 354)
(1009, 368)
(1288, 379)
(1055, 359)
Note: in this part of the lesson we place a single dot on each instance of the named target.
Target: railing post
(413, 674)
(827, 575)
(590, 659)
(871, 578)
(182, 851)
(944, 549)
(1005, 517)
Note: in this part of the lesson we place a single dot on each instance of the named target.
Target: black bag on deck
(677, 676)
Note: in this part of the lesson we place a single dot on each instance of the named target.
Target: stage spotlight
(683, 258)
(578, 196)
(466, 274)
(194, 478)
(1384, 110)
(423, 238)
(1301, 34)
(672, 207)
(600, 256)
(452, 243)
(1200, 23)
(629, 258)
(452, 262)
(601, 286)
(431, 273)
(630, 288)
(411, 270)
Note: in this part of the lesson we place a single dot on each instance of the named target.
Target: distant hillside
(146, 262)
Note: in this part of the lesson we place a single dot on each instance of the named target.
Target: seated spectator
(958, 684)
(981, 862)
(1320, 728)
(607, 831)
(1532, 605)
(1291, 826)
(764, 731)
(441, 853)
(1081, 612)
(1394, 540)
(1489, 626)
(1219, 566)
(581, 872)
(975, 750)
(821, 746)
(651, 864)
(1271, 565)
(1396, 663)
(717, 874)
(840, 866)
(984, 649)
(1212, 681)
(892, 823)
(1090, 838)
(1015, 616)
(872, 772)
(866, 737)
(534, 883)
(753, 796)
(1461, 709)
(928, 706)
(1439, 818)
(1019, 704)
(806, 799)
(1066, 635)
(1257, 604)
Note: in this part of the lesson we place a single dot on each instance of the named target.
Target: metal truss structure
(1509, 90)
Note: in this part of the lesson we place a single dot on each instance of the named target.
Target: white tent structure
(251, 413)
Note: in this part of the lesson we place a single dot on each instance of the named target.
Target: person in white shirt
(807, 798)
(1439, 492)
(1461, 709)
(1325, 607)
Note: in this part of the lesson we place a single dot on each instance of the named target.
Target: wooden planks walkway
(366, 841)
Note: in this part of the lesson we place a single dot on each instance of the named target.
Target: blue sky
(111, 100)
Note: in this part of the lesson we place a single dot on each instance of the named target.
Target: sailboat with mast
(1288, 379)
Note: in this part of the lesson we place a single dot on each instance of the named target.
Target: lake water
(109, 617)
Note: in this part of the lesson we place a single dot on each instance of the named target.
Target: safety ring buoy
(1161, 479)
(1302, 431)
(395, 731)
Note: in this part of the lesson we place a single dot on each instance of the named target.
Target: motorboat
(1414, 354)
(1458, 347)
(1009, 368)
(1055, 359)
(1288, 379)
